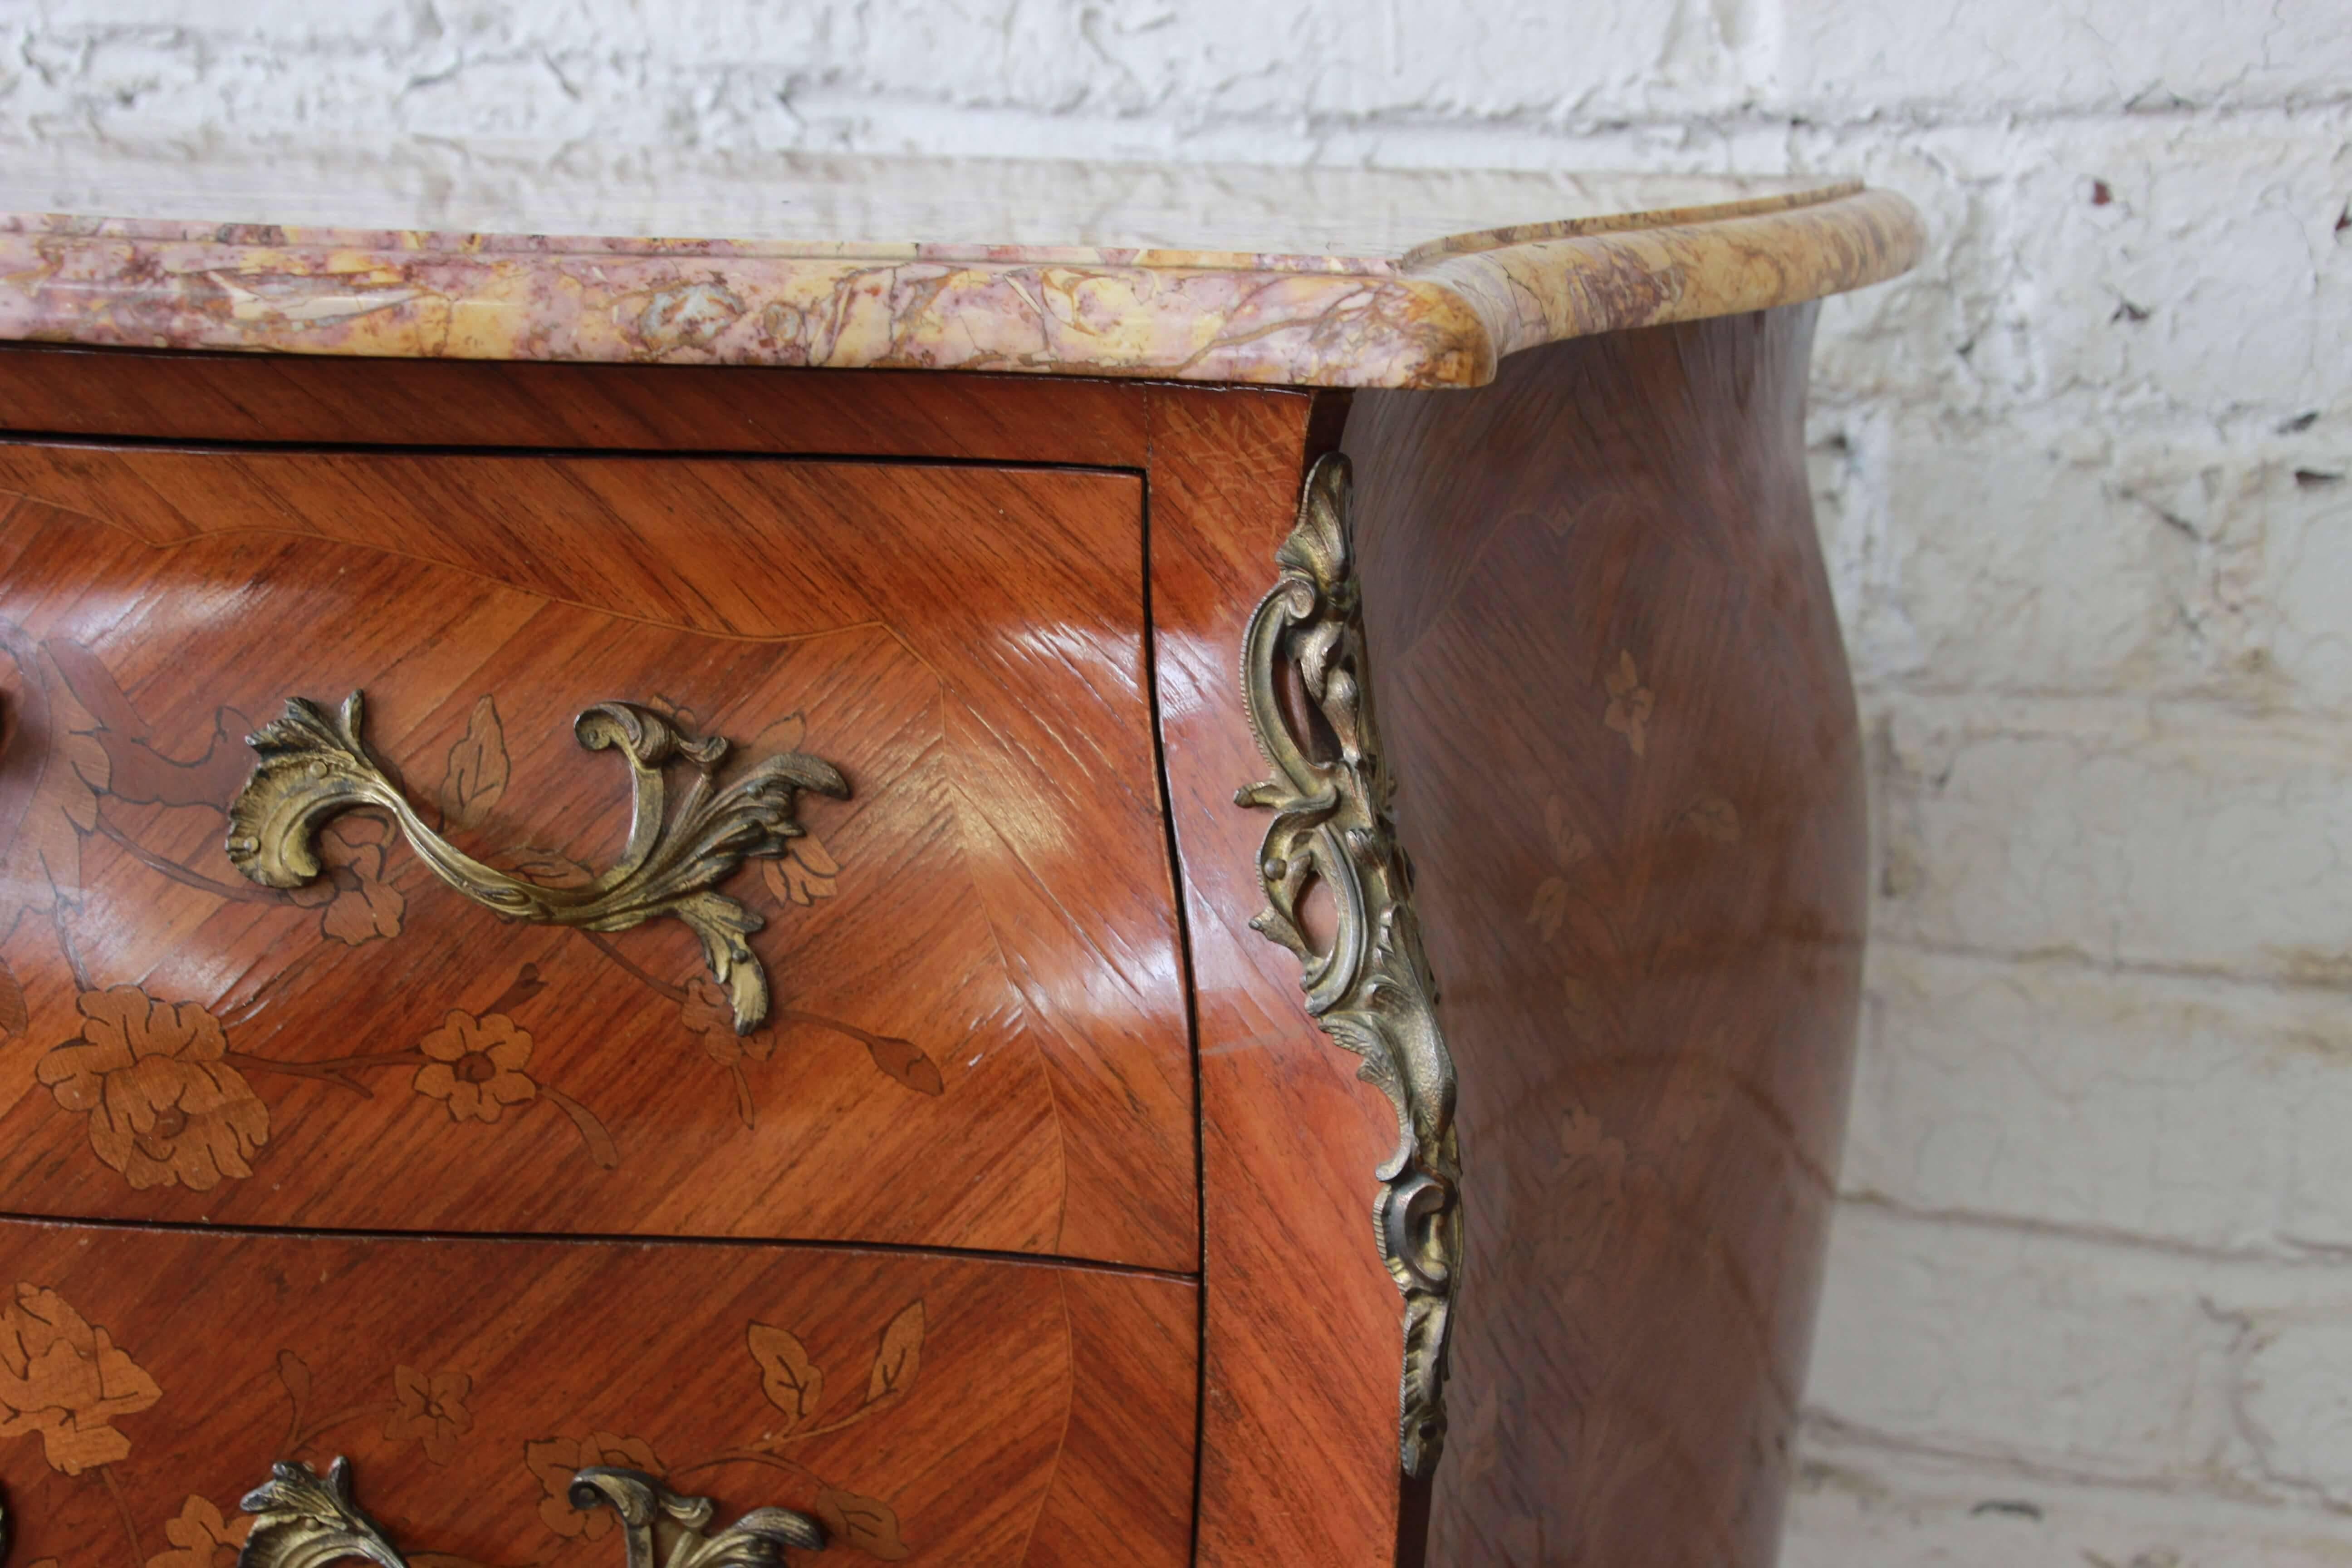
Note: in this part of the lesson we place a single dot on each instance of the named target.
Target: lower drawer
(926, 1408)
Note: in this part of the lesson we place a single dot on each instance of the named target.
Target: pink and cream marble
(1318, 277)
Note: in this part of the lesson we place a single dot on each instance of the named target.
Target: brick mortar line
(2313, 1257)
(2080, 962)
(1819, 1429)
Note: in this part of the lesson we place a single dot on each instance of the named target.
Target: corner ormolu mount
(301, 1519)
(1370, 992)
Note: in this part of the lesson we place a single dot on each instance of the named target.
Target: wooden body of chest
(898, 1118)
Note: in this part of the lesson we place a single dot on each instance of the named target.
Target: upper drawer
(977, 1031)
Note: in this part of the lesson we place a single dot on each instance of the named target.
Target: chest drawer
(973, 1032)
(924, 1409)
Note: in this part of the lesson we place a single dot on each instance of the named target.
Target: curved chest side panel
(1298, 1428)
(1616, 706)
(976, 1035)
(922, 1409)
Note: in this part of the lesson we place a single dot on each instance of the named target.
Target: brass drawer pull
(313, 766)
(303, 1520)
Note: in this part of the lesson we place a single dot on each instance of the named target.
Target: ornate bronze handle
(313, 765)
(302, 1520)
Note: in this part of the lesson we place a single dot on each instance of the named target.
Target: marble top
(1310, 276)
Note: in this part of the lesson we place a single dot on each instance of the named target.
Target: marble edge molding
(1443, 321)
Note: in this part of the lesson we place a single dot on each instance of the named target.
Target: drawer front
(975, 1031)
(924, 1409)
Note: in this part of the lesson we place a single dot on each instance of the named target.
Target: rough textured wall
(2085, 479)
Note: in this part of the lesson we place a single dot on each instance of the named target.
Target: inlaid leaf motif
(900, 1358)
(1712, 816)
(805, 872)
(1570, 844)
(1550, 906)
(63, 1377)
(552, 1459)
(1629, 703)
(138, 771)
(201, 1538)
(478, 768)
(1569, 848)
(142, 775)
(792, 1382)
(866, 1523)
(1588, 1175)
(905, 1060)
(94, 687)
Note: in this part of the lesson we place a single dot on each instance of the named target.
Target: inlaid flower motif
(164, 1109)
(66, 1379)
(355, 903)
(1570, 847)
(477, 1065)
(552, 1460)
(431, 1411)
(200, 1538)
(1629, 703)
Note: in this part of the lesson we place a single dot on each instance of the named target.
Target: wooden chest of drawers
(810, 974)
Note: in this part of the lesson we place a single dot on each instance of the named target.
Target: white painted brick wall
(2084, 481)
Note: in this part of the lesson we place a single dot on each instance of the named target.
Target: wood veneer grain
(979, 1036)
(1299, 1425)
(928, 1407)
(1611, 691)
(62, 391)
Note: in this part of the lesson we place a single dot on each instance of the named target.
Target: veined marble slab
(1315, 277)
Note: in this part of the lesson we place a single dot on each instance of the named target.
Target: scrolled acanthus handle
(315, 765)
(302, 1520)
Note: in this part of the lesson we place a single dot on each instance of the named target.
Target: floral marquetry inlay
(202, 1538)
(64, 1378)
(475, 1066)
(163, 1085)
(553, 1459)
(164, 1106)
